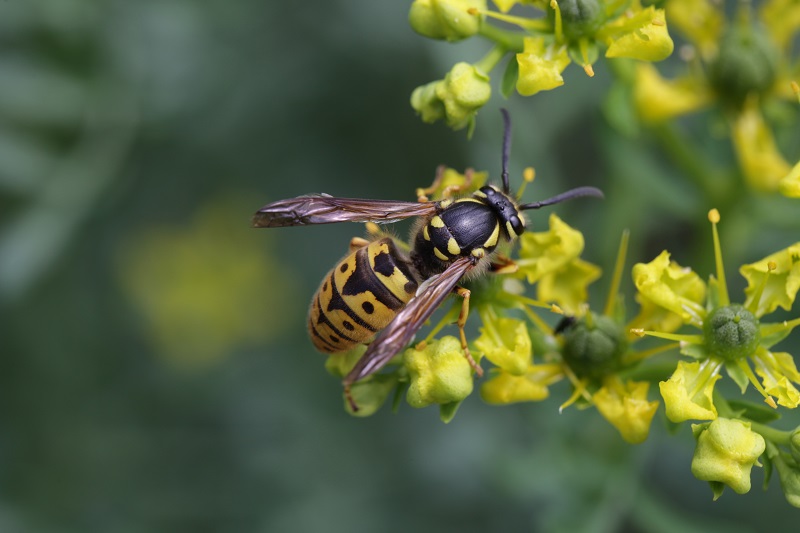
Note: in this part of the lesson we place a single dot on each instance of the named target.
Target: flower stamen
(724, 299)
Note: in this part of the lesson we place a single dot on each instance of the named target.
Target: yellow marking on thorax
(471, 199)
(439, 254)
(479, 252)
(437, 222)
(445, 203)
(452, 247)
(425, 233)
(491, 242)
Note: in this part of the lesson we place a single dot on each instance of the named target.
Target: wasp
(380, 295)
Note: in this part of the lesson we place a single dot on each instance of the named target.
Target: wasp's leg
(356, 243)
(450, 190)
(503, 265)
(423, 192)
(348, 395)
(462, 321)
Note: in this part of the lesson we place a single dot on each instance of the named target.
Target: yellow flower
(687, 394)
(206, 287)
(657, 99)
(762, 164)
(506, 343)
(540, 66)
(731, 334)
(740, 65)
(671, 286)
(552, 259)
(773, 281)
(449, 20)
(505, 388)
(790, 184)
(626, 407)
(642, 35)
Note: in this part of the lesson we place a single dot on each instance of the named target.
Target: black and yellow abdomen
(360, 296)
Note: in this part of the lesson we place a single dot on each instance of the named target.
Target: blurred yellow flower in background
(206, 287)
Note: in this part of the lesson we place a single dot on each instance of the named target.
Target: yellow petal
(542, 253)
(671, 286)
(507, 388)
(642, 36)
(506, 343)
(657, 99)
(790, 184)
(626, 408)
(701, 21)
(762, 164)
(540, 66)
(567, 286)
(782, 19)
(687, 394)
(780, 284)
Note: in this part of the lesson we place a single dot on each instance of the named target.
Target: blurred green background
(156, 374)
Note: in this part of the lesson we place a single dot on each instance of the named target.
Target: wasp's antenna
(569, 195)
(506, 148)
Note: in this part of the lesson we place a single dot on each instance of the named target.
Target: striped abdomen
(360, 296)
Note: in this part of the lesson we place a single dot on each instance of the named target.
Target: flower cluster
(743, 68)
(529, 346)
(553, 35)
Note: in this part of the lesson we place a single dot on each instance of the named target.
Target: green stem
(490, 60)
(771, 434)
(509, 40)
(692, 162)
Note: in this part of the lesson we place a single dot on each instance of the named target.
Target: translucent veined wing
(405, 325)
(326, 209)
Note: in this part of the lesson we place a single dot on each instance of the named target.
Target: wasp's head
(508, 214)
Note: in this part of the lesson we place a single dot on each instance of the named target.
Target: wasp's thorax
(470, 226)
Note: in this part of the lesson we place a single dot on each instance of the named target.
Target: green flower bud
(580, 18)
(593, 346)
(426, 103)
(747, 63)
(726, 452)
(446, 19)
(732, 332)
(439, 373)
(370, 394)
(464, 90)
(789, 475)
(794, 444)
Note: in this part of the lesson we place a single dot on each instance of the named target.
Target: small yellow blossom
(207, 286)
(671, 286)
(506, 388)
(551, 258)
(540, 66)
(506, 343)
(790, 184)
(773, 281)
(657, 99)
(626, 407)
(687, 394)
(762, 164)
(642, 35)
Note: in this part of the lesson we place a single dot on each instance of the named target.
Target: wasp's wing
(405, 325)
(325, 209)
